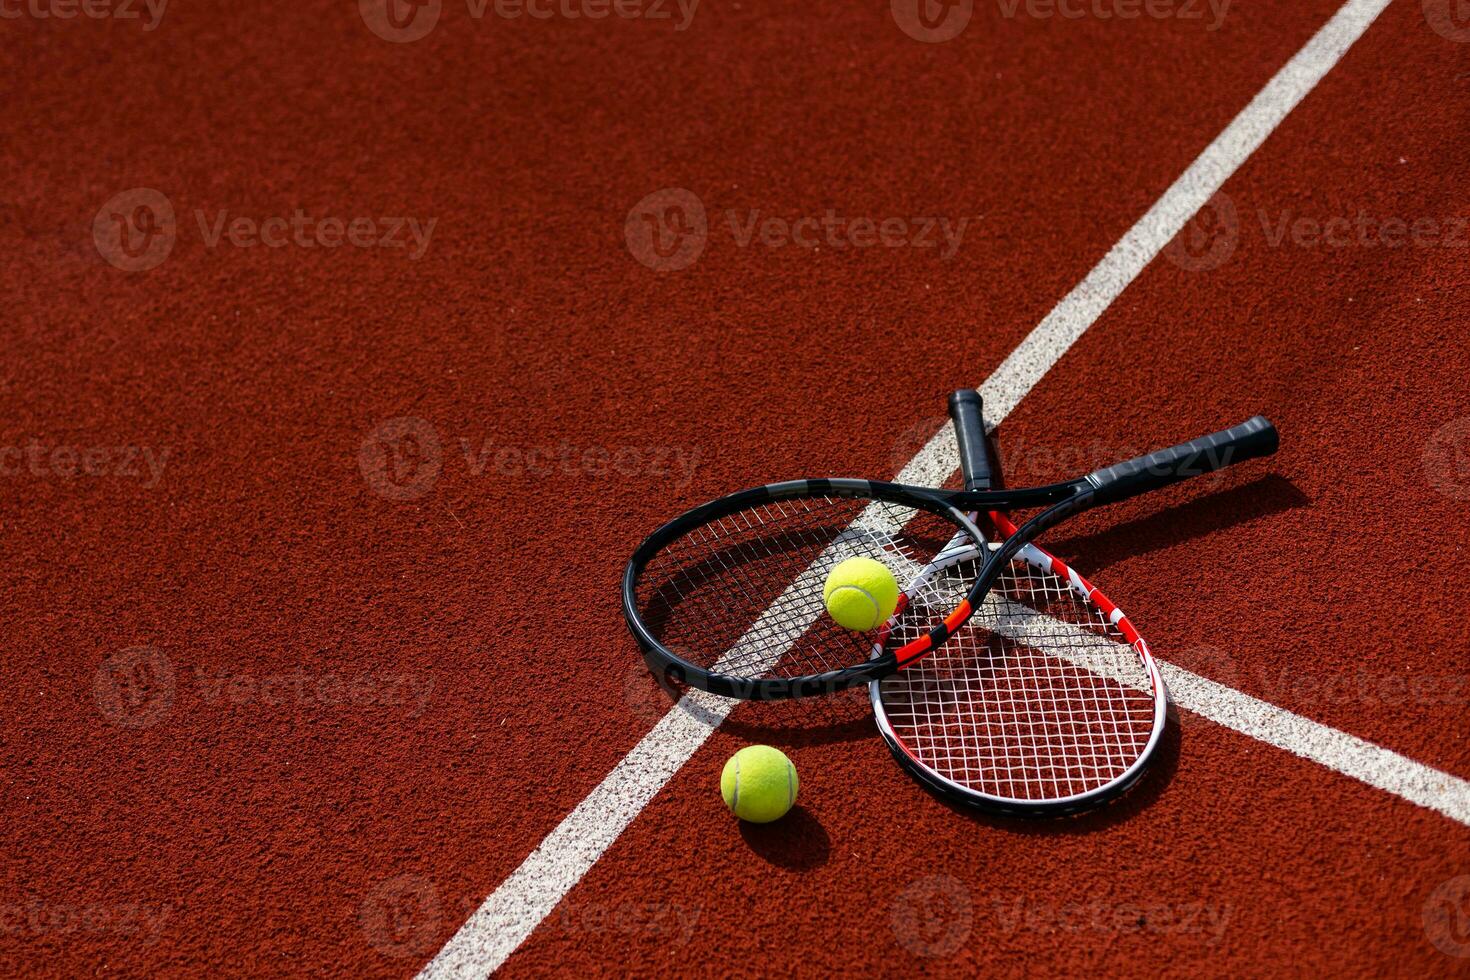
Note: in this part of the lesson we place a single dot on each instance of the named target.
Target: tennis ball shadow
(797, 841)
(1143, 794)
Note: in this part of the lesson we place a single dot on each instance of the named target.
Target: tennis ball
(860, 593)
(759, 784)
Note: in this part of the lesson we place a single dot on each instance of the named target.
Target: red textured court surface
(281, 701)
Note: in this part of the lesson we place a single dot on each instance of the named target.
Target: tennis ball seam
(767, 806)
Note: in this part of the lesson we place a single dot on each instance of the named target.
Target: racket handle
(1250, 439)
(965, 411)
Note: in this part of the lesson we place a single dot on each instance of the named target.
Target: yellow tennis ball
(860, 593)
(759, 784)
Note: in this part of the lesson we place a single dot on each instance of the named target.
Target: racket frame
(1251, 439)
(679, 670)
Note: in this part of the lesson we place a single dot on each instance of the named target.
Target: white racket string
(743, 593)
(1041, 696)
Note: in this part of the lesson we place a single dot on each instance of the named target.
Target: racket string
(1040, 696)
(742, 594)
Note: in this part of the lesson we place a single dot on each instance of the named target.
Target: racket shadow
(1213, 512)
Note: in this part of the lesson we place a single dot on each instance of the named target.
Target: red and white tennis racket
(1046, 700)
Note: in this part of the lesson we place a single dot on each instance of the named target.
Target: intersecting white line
(534, 889)
(1339, 751)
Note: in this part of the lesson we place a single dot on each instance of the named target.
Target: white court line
(533, 890)
(1338, 751)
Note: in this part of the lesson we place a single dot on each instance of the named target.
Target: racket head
(728, 597)
(1046, 701)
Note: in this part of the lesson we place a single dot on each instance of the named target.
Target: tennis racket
(728, 597)
(1046, 701)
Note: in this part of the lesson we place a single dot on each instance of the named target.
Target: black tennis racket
(1047, 700)
(728, 597)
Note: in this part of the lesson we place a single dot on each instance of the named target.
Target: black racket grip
(965, 410)
(1249, 440)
